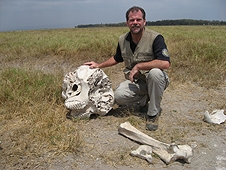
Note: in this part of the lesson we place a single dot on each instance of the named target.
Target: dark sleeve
(118, 55)
(160, 49)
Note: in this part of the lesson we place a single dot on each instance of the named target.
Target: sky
(48, 14)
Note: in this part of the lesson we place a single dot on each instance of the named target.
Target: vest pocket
(144, 57)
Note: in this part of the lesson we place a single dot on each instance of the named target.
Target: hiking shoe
(152, 122)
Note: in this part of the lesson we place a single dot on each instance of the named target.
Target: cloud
(27, 14)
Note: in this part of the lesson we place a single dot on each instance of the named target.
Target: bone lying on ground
(167, 152)
(87, 91)
(216, 117)
(143, 152)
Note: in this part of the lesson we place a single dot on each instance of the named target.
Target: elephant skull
(87, 91)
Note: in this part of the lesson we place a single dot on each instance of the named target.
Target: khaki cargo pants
(140, 92)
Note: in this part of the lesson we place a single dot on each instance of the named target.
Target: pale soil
(183, 110)
(181, 122)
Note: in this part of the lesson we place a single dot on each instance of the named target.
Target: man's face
(136, 22)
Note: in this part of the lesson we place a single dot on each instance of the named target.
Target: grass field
(32, 112)
(196, 51)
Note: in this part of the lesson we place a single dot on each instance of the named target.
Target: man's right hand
(92, 64)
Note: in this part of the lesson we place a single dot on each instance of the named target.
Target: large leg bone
(167, 152)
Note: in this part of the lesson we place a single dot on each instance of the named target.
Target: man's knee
(117, 94)
(155, 75)
(158, 77)
(119, 97)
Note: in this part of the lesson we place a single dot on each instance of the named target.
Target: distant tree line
(185, 22)
(160, 23)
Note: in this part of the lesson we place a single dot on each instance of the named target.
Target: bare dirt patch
(181, 122)
(103, 148)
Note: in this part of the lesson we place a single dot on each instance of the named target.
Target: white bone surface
(143, 152)
(216, 117)
(167, 152)
(87, 91)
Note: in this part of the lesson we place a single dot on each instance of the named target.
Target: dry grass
(32, 113)
(197, 52)
(32, 116)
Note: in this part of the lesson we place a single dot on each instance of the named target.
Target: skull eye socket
(75, 87)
